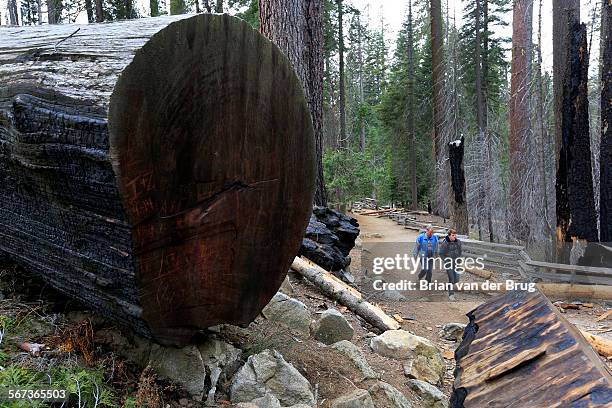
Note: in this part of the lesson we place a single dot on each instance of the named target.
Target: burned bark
(460, 211)
(329, 238)
(145, 168)
(576, 216)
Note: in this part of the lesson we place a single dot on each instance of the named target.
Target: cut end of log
(213, 145)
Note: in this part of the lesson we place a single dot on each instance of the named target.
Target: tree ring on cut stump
(212, 143)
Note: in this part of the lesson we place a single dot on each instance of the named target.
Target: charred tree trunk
(165, 180)
(576, 216)
(520, 121)
(207, 6)
(605, 162)
(219, 6)
(460, 211)
(566, 13)
(296, 27)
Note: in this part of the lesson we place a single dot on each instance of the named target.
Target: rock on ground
(269, 373)
(196, 368)
(356, 399)
(352, 352)
(452, 331)
(332, 327)
(424, 360)
(386, 395)
(432, 397)
(289, 312)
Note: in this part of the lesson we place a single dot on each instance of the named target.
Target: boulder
(289, 312)
(356, 399)
(286, 287)
(182, 366)
(423, 360)
(269, 373)
(431, 396)
(422, 368)
(332, 327)
(401, 345)
(386, 395)
(356, 356)
(452, 331)
(196, 368)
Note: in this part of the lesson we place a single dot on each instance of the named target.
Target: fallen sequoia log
(518, 351)
(160, 170)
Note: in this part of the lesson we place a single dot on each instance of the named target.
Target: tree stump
(160, 170)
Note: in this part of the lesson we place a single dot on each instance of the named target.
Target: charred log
(512, 348)
(144, 170)
(330, 237)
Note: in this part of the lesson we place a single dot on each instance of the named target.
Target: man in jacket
(426, 249)
(450, 251)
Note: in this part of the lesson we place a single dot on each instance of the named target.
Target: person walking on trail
(450, 251)
(426, 249)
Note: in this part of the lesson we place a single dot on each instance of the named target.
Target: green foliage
(84, 385)
(248, 10)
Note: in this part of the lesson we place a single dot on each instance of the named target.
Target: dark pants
(426, 269)
(453, 277)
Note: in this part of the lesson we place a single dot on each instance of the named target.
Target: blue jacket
(422, 242)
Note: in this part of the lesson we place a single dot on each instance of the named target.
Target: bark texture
(566, 13)
(296, 27)
(460, 211)
(520, 121)
(159, 170)
(576, 216)
(605, 162)
(438, 95)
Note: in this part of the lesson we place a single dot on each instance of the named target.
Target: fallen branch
(346, 295)
(601, 345)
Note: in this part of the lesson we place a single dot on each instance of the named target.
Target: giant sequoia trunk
(576, 216)
(605, 163)
(159, 170)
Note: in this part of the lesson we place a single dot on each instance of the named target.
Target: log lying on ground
(518, 351)
(330, 237)
(160, 170)
(570, 291)
(346, 295)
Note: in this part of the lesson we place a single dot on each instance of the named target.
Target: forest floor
(33, 314)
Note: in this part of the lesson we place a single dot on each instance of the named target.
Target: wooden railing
(513, 260)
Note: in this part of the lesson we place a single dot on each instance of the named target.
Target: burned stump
(160, 170)
(518, 351)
